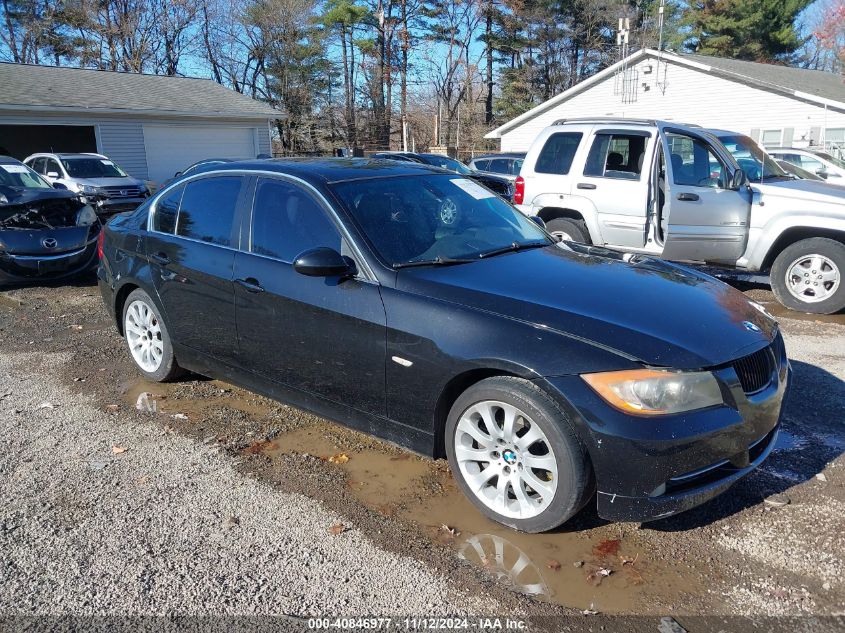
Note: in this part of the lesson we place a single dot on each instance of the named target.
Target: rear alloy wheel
(514, 454)
(147, 338)
(808, 276)
(569, 230)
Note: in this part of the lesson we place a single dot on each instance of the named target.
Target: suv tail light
(519, 190)
(100, 239)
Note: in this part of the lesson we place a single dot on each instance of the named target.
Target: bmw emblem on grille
(750, 326)
(49, 242)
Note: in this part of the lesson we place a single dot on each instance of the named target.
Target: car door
(190, 247)
(615, 179)
(703, 218)
(321, 335)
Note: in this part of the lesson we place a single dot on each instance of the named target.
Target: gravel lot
(195, 518)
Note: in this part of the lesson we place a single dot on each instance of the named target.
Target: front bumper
(15, 269)
(648, 468)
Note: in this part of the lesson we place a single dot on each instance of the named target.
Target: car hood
(806, 191)
(127, 181)
(13, 196)
(38, 215)
(652, 311)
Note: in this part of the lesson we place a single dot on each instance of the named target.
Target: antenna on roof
(661, 11)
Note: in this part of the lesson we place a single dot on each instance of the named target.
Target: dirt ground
(773, 545)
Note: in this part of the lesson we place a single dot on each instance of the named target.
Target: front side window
(693, 163)
(286, 221)
(207, 210)
(812, 164)
(435, 218)
(37, 165)
(52, 167)
(558, 153)
(92, 167)
(755, 162)
(166, 211)
(616, 156)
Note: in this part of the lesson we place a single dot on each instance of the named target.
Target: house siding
(122, 138)
(688, 95)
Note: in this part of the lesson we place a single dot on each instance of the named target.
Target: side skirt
(390, 430)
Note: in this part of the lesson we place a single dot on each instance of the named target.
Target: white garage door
(172, 148)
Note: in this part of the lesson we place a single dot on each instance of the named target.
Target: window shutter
(788, 136)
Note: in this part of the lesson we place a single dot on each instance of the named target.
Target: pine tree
(757, 30)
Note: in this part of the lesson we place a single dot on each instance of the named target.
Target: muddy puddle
(588, 565)
(780, 311)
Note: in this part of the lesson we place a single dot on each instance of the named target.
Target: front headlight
(656, 392)
(86, 216)
(91, 190)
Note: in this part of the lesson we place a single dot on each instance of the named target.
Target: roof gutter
(192, 114)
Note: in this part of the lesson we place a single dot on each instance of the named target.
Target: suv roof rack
(606, 119)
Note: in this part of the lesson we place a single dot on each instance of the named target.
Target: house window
(772, 138)
(835, 135)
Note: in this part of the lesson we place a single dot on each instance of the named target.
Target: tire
(571, 230)
(558, 450)
(143, 325)
(819, 263)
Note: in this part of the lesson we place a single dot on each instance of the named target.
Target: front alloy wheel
(807, 276)
(515, 455)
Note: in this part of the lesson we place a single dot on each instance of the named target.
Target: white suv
(111, 189)
(677, 192)
(818, 162)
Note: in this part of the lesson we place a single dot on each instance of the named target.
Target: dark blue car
(416, 305)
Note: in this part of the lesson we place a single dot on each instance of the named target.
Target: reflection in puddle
(589, 564)
(506, 563)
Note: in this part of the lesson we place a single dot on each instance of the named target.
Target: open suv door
(703, 215)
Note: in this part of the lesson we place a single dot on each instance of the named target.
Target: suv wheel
(515, 455)
(808, 276)
(147, 337)
(570, 230)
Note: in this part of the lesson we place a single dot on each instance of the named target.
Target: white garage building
(777, 105)
(152, 126)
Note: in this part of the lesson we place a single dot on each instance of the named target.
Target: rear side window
(499, 166)
(616, 156)
(207, 210)
(558, 152)
(286, 221)
(167, 208)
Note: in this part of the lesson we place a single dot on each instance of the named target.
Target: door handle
(250, 284)
(688, 197)
(160, 258)
(585, 185)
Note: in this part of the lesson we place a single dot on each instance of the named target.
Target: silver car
(109, 188)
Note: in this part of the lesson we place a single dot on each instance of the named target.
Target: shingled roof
(812, 82)
(29, 87)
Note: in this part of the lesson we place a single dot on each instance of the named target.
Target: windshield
(92, 167)
(437, 217)
(828, 157)
(448, 163)
(756, 163)
(21, 177)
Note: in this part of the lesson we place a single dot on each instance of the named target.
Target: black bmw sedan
(45, 233)
(416, 305)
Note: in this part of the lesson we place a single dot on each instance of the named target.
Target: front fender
(762, 239)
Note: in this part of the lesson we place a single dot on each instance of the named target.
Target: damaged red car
(45, 232)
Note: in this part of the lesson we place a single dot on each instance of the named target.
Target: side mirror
(58, 185)
(323, 262)
(52, 174)
(738, 179)
(538, 221)
(822, 173)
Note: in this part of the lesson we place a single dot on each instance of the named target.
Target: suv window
(286, 221)
(693, 162)
(208, 209)
(167, 208)
(53, 166)
(37, 165)
(616, 156)
(558, 152)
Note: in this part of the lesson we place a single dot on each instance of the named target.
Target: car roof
(329, 170)
(8, 160)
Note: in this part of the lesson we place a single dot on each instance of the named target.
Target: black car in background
(506, 164)
(45, 233)
(497, 184)
(416, 305)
